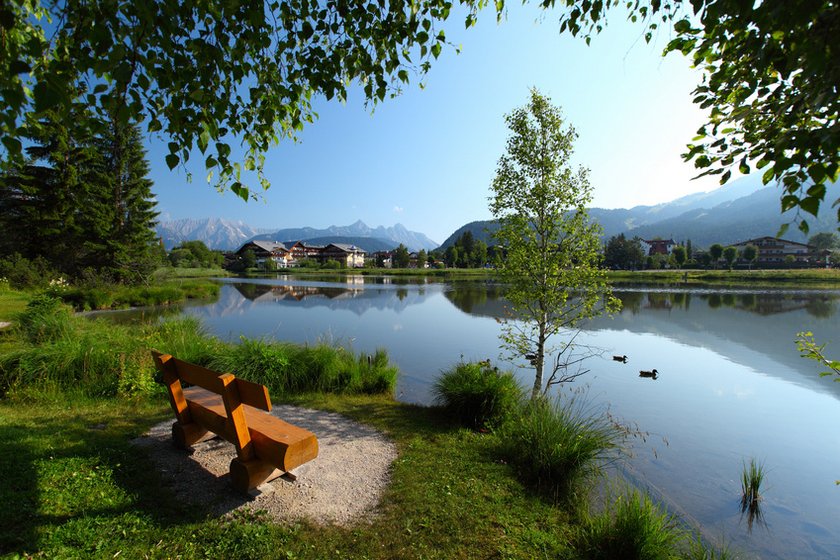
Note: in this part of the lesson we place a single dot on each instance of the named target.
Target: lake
(731, 385)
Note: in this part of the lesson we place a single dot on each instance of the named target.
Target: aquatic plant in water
(752, 477)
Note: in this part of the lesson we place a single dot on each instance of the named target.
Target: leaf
(436, 50)
(203, 140)
(13, 145)
(46, 97)
(172, 160)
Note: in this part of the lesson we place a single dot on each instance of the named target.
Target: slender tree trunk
(538, 378)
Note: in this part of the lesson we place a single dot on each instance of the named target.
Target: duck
(652, 374)
(620, 359)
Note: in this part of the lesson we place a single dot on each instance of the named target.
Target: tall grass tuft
(559, 446)
(478, 395)
(45, 319)
(289, 369)
(632, 528)
(752, 477)
(186, 339)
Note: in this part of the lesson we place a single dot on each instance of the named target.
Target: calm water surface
(731, 384)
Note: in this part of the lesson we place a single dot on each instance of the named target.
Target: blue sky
(426, 158)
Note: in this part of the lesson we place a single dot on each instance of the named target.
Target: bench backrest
(235, 394)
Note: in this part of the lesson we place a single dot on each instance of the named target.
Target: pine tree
(82, 202)
(43, 201)
(124, 228)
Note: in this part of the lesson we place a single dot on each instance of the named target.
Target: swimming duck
(651, 374)
(620, 359)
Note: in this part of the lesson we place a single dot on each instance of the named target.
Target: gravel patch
(341, 486)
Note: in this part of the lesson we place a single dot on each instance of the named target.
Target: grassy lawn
(80, 489)
(12, 302)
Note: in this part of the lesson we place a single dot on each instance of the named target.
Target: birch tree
(550, 260)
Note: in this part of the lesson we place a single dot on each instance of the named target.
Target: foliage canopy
(202, 73)
(771, 84)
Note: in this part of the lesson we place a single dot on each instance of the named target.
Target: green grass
(169, 273)
(57, 349)
(292, 369)
(631, 528)
(12, 302)
(752, 477)
(81, 490)
(478, 395)
(560, 447)
(812, 277)
(117, 297)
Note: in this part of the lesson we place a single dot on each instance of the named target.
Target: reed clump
(478, 395)
(752, 477)
(631, 528)
(559, 446)
(293, 369)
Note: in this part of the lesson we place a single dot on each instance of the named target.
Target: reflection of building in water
(278, 293)
(263, 292)
(354, 279)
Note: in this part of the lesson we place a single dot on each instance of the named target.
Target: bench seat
(237, 411)
(277, 442)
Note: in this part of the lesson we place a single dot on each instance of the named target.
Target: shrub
(478, 395)
(25, 273)
(633, 528)
(558, 446)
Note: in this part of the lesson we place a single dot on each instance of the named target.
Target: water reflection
(487, 300)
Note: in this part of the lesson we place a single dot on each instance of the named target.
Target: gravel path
(341, 486)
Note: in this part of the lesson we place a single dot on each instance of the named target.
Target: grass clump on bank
(559, 447)
(631, 528)
(478, 395)
(289, 369)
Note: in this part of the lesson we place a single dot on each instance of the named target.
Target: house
(349, 255)
(772, 250)
(264, 250)
(383, 259)
(302, 250)
(657, 246)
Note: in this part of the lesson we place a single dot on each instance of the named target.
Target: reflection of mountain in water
(756, 329)
(234, 298)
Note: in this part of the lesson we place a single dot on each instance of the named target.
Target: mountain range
(743, 209)
(228, 235)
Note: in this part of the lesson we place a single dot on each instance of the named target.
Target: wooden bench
(231, 408)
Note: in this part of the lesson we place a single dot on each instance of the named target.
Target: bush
(25, 273)
(477, 395)
(558, 446)
(633, 528)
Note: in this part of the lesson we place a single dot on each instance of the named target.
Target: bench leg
(247, 475)
(184, 435)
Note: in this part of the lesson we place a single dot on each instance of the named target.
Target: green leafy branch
(808, 348)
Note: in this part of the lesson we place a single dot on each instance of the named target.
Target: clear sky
(426, 158)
